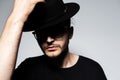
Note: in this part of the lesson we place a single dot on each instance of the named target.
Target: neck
(57, 61)
(70, 60)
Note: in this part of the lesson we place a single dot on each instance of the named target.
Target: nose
(50, 39)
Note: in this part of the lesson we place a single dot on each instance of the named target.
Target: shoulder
(34, 59)
(31, 61)
(89, 64)
(88, 61)
(92, 68)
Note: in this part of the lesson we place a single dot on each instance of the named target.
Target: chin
(53, 54)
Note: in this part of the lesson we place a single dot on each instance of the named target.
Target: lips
(51, 48)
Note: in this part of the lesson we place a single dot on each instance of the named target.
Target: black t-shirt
(37, 69)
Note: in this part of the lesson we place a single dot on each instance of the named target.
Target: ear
(71, 32)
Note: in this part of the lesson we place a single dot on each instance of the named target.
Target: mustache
(52, 45)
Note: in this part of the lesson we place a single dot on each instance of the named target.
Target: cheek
(64, 44)
(42, 46)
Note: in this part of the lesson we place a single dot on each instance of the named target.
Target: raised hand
(11, 35)
(22, 8)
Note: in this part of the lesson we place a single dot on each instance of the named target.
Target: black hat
(49, 13)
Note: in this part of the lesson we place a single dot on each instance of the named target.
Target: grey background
(96, 34)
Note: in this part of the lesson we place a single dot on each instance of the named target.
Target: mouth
(51, 48)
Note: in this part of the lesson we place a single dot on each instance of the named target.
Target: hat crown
(45, 12)
(54, 8)
(48, 13)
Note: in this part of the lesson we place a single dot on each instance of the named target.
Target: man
(50, 22)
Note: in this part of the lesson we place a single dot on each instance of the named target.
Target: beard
(57, 61)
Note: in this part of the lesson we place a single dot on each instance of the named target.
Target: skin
(11, 36)
(55, 47)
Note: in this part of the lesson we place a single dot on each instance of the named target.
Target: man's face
(53, 41)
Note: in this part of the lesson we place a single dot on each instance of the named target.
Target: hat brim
(71, 10)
